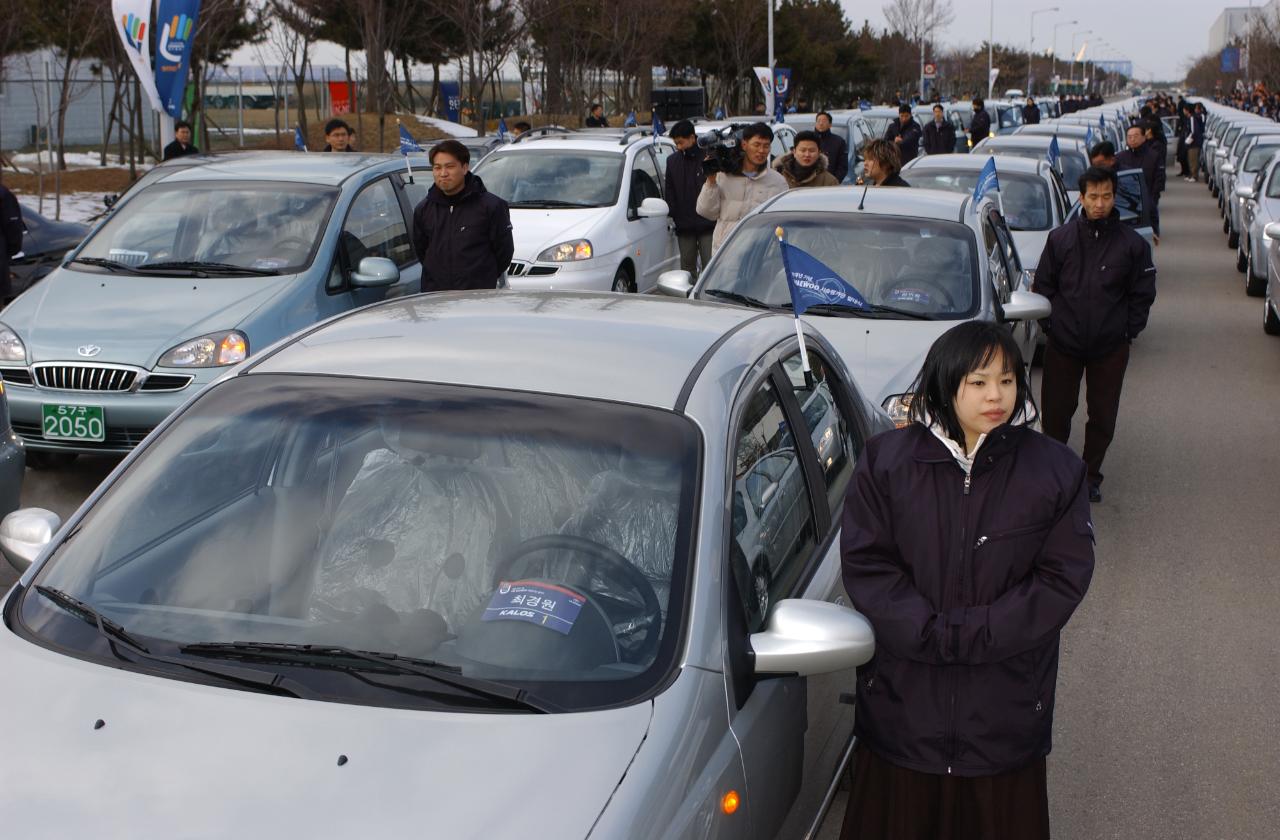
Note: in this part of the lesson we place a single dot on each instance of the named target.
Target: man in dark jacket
(939, 134)
(1142, 153)
(461, 231)
(596, 117)
(905, 134)
(1195, 141)
(11, 230)
(181, 146)
(1031, 112)
(1098, 274)
(832, 145)
(980, 128)
(684, 181)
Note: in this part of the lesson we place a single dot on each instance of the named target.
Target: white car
(587, 209)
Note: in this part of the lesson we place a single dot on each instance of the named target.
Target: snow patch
(76, 207)
(31, 161)
(453, 129)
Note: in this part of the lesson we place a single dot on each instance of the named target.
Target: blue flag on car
(812, 284)
(299, 142)
(502, 129)
(1054, 152)
(1102, 123)
(779, 113)
(407, 143)
(720, 113)
(1088, 140)
(864, 105)
(987, 181)
(658, 128)
(630, 121)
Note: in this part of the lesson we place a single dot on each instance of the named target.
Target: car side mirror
(1026, 306)
(807, 637)
(25, 533)
(677, 283)
(1272, 230)
(1244, 191)
(375, 272)
(1229, 168)
(653, 208)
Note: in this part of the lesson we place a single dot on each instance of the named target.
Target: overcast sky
(1161, 37)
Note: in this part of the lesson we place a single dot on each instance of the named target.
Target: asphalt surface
(1166, 720)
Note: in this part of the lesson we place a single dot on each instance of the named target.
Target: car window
(644, 180)
(1012, 259)
(837, 439)
(375, 227)
(1129, 199)
(548, 178)
(773, 532)
(1025, 197)
(416, 192)
(1273, 186)
(1259, 155)
(662, 151)
(996, 259)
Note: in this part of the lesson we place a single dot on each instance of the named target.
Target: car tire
(1270, 321)
(1242, 264)
(623, 282)
(37, 460)
(1233, 240)
(1226, 225)
(1254, 286)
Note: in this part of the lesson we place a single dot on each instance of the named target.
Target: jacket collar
(931, 449)
(471, 186)
(1098, 227)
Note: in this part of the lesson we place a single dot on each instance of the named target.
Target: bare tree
(919, 21)
(294, 32)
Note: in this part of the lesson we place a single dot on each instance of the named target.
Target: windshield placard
(544, 604)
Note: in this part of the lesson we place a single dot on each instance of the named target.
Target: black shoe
(1095, 493)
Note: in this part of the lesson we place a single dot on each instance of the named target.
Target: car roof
(604, 141)
(1004, 163)
(637, 349)
(1030, 141)
(920, 203)
(326, 169)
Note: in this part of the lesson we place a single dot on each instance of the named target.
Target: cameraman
(729, 196)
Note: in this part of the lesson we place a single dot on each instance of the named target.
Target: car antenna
(863, 200)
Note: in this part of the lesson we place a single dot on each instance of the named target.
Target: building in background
(1232, 25)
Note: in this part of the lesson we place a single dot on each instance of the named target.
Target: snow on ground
(232, 131)
(30, 161)
(451, 128)
(76, 207)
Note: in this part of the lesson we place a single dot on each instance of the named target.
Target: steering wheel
(613, 563)
(942, 292)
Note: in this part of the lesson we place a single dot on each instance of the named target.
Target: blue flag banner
(779, 112)
(1054, 152)
(503, 134)
(1088, 140)
(658, 128)
(407, 143)
(720, 113)
(987, 181)
(864, 105)
(176, 23)
(781, 83)
(1102, 123)
(812, 284)
(451, 96)
(300, 142)
(630, 121)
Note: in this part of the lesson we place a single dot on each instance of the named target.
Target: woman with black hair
(967, 543)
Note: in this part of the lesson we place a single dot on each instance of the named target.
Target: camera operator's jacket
(734, 196)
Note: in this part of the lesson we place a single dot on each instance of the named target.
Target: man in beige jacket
(728, 197)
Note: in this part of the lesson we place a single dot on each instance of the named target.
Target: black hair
(335, 124)
(826, 114)
(1096, 175)
(757, 130)
(904, 108)
(810, 136)
(452, 148)
(1106, 148)
(957, 353)
(979, 104)
(181, 124)
(522, 126)
(938, 106)
(594, 105)
(684, 128)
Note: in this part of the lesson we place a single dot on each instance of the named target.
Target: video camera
(723, 149)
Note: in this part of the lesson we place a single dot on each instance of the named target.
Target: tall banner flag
(1080, 55)
(811, 283)
(133, 24)
(782, 83)
(766, 84)
(176, 25)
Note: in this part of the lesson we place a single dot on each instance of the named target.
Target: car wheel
(1226, 225)
(50, 460)
(1233, 239)
(1242, 264)
(623, 281)
(1254, 286)
(1270, 322)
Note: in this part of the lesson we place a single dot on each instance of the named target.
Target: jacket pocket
(1084, 527)
(1011, 533)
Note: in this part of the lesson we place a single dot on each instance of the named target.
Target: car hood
(884, 356)
(1030, 246)
(133, 319)
(175, 759)
(536, 230)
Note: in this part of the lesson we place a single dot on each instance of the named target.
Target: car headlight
(215, 350)
(578, 249)
(11, 347)
(898, 408)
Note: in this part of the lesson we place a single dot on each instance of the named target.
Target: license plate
(74, 422)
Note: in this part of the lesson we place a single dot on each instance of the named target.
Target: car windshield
(1259, 155)
(1024, 198)
(553, 178)
(920, 266)
(258, 226)
(878, 125)
(1273, 188)
(1009, 116)
(1072, 164)
(525, 539)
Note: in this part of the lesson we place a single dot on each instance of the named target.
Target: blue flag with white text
(630, 121)
(987, 181)
(299, 142)
(407, 143)
(1054, 152)
(813, 284)
(658, 128)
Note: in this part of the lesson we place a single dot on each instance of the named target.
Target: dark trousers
(1060, 396)
(692, 247)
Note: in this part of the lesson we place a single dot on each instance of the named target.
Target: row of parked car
(366, 541)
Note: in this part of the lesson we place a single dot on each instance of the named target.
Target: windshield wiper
(199, 266)
(548, 202)
(116, 635)
(850, 311)
(736, 297)
(336, 656)
(99, 262)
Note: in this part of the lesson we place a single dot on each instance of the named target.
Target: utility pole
(773, 79)
(991, 36)
(1056, 27)
(1031, 43)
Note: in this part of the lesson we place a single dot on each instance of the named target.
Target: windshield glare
(272, 226)
(556, 178)
(1258, 157)
(395, 517)
(1072, 164)
(918, 265)
(1025, 198)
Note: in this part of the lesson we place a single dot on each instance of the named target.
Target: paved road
(1167, 725)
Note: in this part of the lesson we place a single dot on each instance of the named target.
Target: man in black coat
(980, 128)
(1031, 112)
(684, 180)
(1147, 155)
(1097, 273)
(461, 231)
(905, 134)
(939, 134)
(181, 146)
(11, 230)
(596, 117)
(832, 145)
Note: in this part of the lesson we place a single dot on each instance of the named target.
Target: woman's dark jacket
(968, 584)
(464, 241)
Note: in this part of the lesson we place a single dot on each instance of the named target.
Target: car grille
(117, 437)
(519, 268)
(15, 375)
(165, 382)
(84, 377)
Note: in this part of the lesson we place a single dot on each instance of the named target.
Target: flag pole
(804, 351)
(407, 166)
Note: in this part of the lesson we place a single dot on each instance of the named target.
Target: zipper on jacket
(964, 542)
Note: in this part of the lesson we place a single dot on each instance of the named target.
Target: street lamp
(1056, 27)
(1031, 44)
(1075, 35)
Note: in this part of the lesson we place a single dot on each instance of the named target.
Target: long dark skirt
(891, 803)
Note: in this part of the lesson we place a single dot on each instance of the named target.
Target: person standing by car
(967, 542)
(805, 165)
(181, 145)
(905, 134)
(1195, 141)
(461, 231)
(1097, 273)
(683, 182)
(832, 145)
(595, 116)
(980, 128)
(1142, 153)
(939, 134)
(730, 196)
(1031, 112)
(880, 165)
(11, 231)
(1103, 155)
(338, 136)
